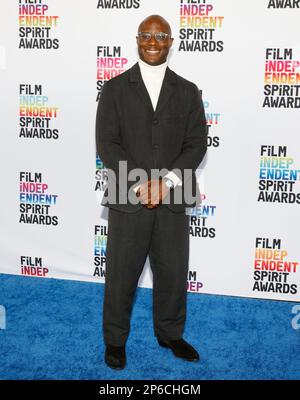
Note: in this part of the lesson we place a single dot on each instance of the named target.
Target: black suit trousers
(164, 236)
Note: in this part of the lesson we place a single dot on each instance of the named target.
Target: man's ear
(172, 40)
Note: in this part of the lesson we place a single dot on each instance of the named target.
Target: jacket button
(155, 146)
(155, 121)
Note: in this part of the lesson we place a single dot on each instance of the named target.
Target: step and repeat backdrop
(244, 56)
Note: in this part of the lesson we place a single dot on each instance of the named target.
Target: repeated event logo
(284, 4)
(118, 4)
(110, 63)
(33, 266)
(199, 27)
(278, 177)
(101, 175)
(193, 284)
(213, 122)
(36, 26)
(282, 78)
(273, 272)
(35, 115)
(100, 250)
(35, 202)
(201, 217)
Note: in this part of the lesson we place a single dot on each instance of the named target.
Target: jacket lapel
(135, 77)
(167, 88)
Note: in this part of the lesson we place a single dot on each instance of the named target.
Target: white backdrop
(53, 226)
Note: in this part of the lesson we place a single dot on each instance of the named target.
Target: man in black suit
(150, 119)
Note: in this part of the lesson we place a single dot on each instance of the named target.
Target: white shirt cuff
(135, 189)
(174, 178)
(170, 175)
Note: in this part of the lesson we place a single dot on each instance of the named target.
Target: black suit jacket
(174, 136)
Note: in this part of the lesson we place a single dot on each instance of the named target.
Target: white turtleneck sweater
(153, 76)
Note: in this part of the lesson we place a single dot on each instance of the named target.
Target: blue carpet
(54, 331)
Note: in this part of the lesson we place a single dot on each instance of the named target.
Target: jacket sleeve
(195, 139)
(108, 139)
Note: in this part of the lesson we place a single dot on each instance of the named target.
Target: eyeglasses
(159, 36)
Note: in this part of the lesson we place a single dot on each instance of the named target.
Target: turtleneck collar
(152, 68)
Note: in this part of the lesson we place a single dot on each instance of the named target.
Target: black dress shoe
(180, 349)
(115, 356)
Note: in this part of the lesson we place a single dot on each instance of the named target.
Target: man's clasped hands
(152, 192)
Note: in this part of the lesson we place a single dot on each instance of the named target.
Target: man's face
(154, 52)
